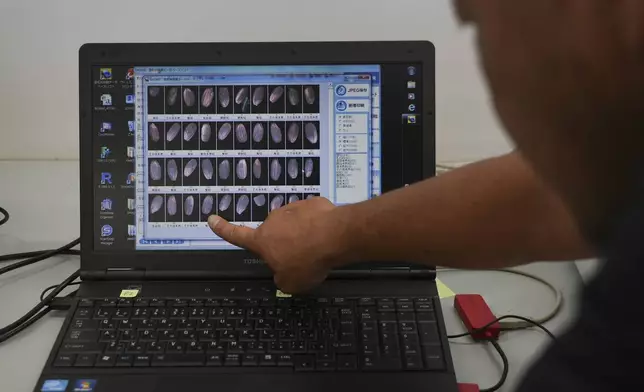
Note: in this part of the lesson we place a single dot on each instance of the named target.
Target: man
(567, 79)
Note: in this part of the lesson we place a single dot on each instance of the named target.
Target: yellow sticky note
(443, 290)
(281, 294)
(130, 293)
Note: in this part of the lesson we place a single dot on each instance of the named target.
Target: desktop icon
(106, 99)
(130, 204)
(411, 96)
(411, 71)
(130, 179)
(106, 231)
(341, 106)
(130, 126)
(412, 107)
(411, 84)
(106, 73)
(105, 152)
(131, 230)
(130, 152)
(106, 205)
(130, 74)
(106, 127)
(341, 90)
(106, 178)
(129, 99)
(411, 119)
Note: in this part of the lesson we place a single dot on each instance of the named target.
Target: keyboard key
(428, 333)
(426, 317)
(433, 355)
(85, 303)
(304, 363)
(268, 360)
(347, 362)
(124, 360)
(141, 302)
(232, 360)
(155, 348)
(83, 313)
(285, 360)
(250, 360)
(324, 366)
(178, 360)
(407, 326)
(108, 303)
(413, 362)
(142, 360)
(85, 360)
(107, 336)
(157, 302)
(194, 302)
(407, 316)
(366, 302)
(215, 360)
(84, 324)
(345, 347)
(373, 363)
(178, 302)
(125, 303)
(135, 348)
(82, 348)
(216, 348)
(340, 301)
(211, 303)
(114, 347)
(106, 360)
(65, 360)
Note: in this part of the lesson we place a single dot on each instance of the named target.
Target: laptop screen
(175, 144)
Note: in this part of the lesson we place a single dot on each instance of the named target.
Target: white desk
(42, 198)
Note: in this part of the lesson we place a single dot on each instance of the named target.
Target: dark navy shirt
(604, 349)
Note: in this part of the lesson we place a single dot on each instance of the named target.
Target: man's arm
(493, 213)
(488, 214)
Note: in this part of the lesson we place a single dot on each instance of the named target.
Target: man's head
(567, 79)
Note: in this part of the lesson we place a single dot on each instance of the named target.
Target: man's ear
(464, 11)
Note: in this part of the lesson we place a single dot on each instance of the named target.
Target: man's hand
(300, 242)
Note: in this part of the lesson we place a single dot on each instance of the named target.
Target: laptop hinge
(143, 274)
(114, 274)
(385, 273)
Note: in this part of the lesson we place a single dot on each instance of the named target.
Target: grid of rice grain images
(241, 139)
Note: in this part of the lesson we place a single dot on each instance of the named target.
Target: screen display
(176, 144)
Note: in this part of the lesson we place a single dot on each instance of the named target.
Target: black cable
(33, 312)
(42, 295)
(23, 326)
(24, 255)
(40, 257)
(509, 316)
(5, 216)
(506, 368)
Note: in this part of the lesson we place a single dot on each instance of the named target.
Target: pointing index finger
(243, 237)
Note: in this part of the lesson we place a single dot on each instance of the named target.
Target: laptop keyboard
(304, 334)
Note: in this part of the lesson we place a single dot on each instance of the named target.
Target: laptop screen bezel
(165, 54)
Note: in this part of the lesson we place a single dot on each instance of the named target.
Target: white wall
(39, 40)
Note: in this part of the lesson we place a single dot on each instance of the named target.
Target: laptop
(172, 133)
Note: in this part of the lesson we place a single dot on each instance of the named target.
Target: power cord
(506, 368)
(498, 320)
(24, 255)
(37, 312)
(524, 322)
(5, 216)
(48, 289)
(41, 255)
